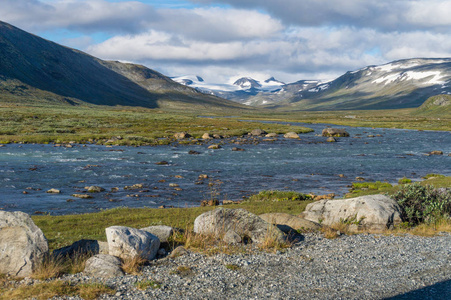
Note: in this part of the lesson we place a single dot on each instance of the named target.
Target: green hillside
(34, 70)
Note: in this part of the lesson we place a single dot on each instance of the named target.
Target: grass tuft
(57, 288)
(133, 265)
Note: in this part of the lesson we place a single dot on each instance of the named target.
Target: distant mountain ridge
(34, 70)
(240, 90)
(399, 84)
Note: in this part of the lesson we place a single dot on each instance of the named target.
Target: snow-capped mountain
(399, 84)
(240, 90)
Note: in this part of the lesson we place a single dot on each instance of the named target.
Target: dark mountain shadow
(67, 72)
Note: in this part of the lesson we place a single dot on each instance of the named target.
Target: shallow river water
(306, 165)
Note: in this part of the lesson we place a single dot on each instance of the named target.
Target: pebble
(364, 266)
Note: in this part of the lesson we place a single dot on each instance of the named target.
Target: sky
(222, 40)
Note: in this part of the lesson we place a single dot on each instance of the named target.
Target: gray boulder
(103, 266)
(127, 243)
(163, 232)
(241, 222)
(288, 223)
(335, 132)
(291, 135)
(373, 212)
(22, 244)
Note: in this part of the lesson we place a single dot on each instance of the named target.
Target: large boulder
(335, 132)
(287, 223)
(240, 222)
(127, 243)
(374, 212)
(103, 266)
(22, 244)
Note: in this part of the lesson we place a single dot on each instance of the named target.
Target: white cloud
(84, 15)
(289, 39)
(379, 14)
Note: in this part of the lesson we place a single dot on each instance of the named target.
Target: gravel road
(365, 266)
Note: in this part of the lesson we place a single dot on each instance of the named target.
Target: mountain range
(399, 84)
(35, 70)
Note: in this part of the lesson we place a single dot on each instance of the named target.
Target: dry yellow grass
(133, 265)
(425, 229)
(50, 267)
(54, 288)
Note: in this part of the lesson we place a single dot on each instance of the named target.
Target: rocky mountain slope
(399, 84)
(34, 70)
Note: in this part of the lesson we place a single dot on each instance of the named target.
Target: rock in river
(335, 132)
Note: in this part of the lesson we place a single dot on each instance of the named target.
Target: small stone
(54, 191)
(291, 135)
(182, 135)
(94, 189)
(436, 152)
(206, 136)
(82, 196)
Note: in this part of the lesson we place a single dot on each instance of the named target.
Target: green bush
(423, 203)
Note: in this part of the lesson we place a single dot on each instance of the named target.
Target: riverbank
(364, 266)
(103, 124)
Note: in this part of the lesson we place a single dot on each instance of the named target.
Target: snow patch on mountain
(434, 77)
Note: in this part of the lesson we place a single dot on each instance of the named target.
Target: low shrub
(279, 196)
(423, 203)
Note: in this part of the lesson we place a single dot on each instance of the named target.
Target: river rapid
(308, 165)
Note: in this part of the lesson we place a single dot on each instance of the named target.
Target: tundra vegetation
(426, 210)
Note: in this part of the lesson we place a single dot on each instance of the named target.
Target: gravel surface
(365, 266)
